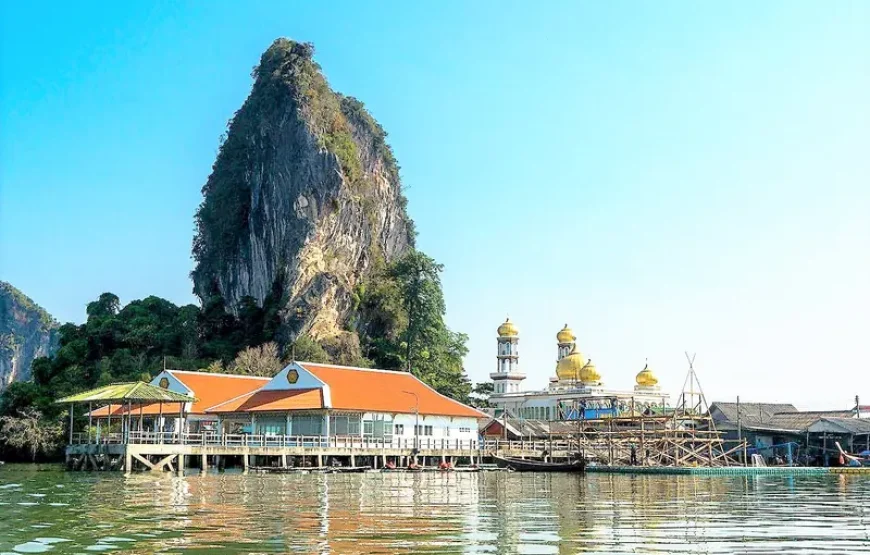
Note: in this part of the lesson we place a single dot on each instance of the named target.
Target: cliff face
(26, 332)
(304, 198)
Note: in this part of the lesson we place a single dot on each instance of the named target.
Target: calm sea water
(46, 510)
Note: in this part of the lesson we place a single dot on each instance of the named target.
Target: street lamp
(416, 419)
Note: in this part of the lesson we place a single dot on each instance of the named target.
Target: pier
(156, 451)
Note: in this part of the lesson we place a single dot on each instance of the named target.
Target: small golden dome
(566, 335)
(646, 378)
(508, 329)
(589, 374)
(568, 369)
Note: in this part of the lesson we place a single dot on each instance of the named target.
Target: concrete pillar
(352, 460)
(204, 465)
(443, 458)
(128, 462)
(180, 469)
(245, 463)
(284, 460)
(320, 461)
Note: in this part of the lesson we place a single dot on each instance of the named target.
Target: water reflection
(56, 512)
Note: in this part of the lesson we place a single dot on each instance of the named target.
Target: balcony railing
(337, 442)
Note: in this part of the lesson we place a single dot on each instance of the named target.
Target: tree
(258, 361)
(30, 431)
(480, 394)
(419, 284)
(107, 305)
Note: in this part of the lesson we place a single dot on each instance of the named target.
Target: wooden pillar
(610, 442)
(71, 422)
(642, 440)
(90, 420)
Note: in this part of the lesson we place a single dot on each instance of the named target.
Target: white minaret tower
(565, 340)
(507, 375)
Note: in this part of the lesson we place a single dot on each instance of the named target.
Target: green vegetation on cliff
(400, 325)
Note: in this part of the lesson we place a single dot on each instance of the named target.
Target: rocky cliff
(26, 332)
(303, 199)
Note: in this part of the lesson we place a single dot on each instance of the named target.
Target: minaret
(507, 375)
(566, 341)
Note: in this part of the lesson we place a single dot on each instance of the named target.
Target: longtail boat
(529, 465)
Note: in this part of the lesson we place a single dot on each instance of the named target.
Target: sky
(662, 176)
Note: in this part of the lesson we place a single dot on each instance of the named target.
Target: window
(464, 430)
(307, 425)
(400, 429)
(345, 425)
(422, 430)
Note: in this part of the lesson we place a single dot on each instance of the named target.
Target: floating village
(326, 418)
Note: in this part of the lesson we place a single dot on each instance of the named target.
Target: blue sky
(663, 176)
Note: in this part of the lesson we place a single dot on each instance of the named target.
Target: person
(633, 455)
(391, 464)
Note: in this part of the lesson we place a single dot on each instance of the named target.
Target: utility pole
(740, 430)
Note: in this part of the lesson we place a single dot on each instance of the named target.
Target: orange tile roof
(384, 391)
(208, 388)
(270, 400)
(212, 389)
(147, 410)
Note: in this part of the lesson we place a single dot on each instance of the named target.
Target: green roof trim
(138, 392)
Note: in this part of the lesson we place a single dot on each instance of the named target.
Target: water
(46, 510)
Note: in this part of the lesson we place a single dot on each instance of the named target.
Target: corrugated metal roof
(840, 425)
(133, 391)
(751, 414)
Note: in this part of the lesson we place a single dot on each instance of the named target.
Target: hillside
(26, 332)
(304, 202)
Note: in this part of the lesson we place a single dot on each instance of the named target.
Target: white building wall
(442, 426)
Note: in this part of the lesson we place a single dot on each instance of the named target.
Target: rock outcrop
(304, 199)
(26, 332)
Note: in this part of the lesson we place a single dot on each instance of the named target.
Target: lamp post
(416, 420)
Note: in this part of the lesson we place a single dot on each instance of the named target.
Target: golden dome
(646, 378)
(568, 369)
(565, 335)
(589, 374)
(508, 329)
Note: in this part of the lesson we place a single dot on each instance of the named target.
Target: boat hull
(527, 465)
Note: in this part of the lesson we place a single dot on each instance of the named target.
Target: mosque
(577, 390)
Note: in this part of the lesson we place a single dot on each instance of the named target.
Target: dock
(168, 451)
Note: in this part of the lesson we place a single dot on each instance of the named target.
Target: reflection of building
(577, 390)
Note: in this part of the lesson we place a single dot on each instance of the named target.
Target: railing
(337, 442)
